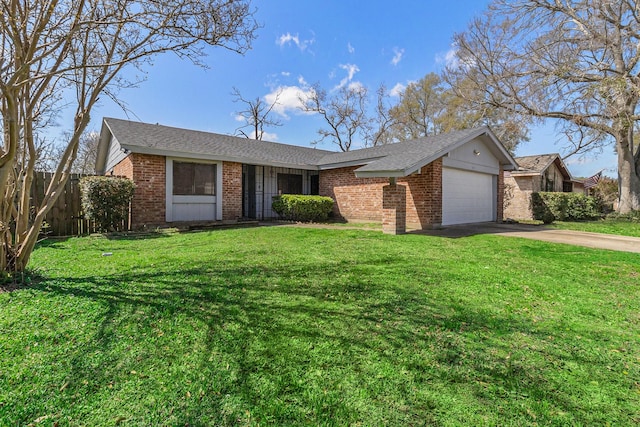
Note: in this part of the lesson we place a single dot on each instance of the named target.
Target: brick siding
(149, 199)
(124, 168)
(394, 208)
(231, 191)
(356, 198)
(149, 203)
(517, 196)
(360, 199)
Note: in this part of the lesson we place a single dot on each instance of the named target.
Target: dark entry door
(249, 191)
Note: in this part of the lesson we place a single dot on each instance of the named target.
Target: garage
(468, 196)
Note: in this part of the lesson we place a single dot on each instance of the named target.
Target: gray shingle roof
(398, 159)
(537, 164)
(398, 154)
(169, 141)
(408, 157)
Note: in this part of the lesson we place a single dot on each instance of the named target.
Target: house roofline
(417, 166)
(203, 156)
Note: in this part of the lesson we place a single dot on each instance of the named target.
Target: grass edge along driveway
(290, 326)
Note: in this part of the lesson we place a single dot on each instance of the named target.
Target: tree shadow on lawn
(56, 242)
(281, 345)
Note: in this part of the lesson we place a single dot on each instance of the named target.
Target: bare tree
(80, 48)
(379, 128)
(345, 114)
(574, 61)
(256, 115)
(87, 152)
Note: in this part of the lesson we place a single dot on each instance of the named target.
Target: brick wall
(148, 173)
(355, 198)
(231, 191)
(394, 208)
(517, 195)
(124, 168)
(360, 199)
(424, 196)
(149, 199)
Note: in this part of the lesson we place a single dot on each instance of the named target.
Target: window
(549, 185)
(194, 179)
(289, 183)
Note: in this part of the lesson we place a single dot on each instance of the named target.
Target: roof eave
(203, 156)
(381, 174)
(485, 130)
(526, 173)
(103, 149)
(337, 165)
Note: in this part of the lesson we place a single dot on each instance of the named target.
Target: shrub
(548, 207)
(302, 208)
(633, 216)
(606, 190)
(106, 200)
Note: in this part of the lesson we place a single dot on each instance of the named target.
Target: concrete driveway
(537, 232)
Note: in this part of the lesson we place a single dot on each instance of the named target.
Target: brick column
(231, 191)
(394, 209)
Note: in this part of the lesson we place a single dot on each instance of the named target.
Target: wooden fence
(65, 217)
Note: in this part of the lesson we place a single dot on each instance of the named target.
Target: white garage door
(467, 197)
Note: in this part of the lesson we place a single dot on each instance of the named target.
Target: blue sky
(306, 42)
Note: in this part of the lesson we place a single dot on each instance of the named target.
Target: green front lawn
(300, 326)
(607, 226)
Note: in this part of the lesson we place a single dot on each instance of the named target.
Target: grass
(299, 326)
(607, 226)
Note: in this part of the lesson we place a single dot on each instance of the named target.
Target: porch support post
(394, 208)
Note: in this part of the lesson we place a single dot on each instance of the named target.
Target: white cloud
(397, 89)
(350, 48)
(397, 56)
(351, 70)
(268, 136)
(288, 39)
(288, 98)
(239, 118)
(450, 59)
(285, 73)
(356, 86)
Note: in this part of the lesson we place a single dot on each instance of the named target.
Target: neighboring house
(186, 175)
(544, 172)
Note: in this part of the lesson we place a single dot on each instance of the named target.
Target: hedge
(302, 208)
(549, 207)
(106, 200)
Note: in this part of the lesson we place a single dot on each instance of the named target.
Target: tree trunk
(629, 178)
